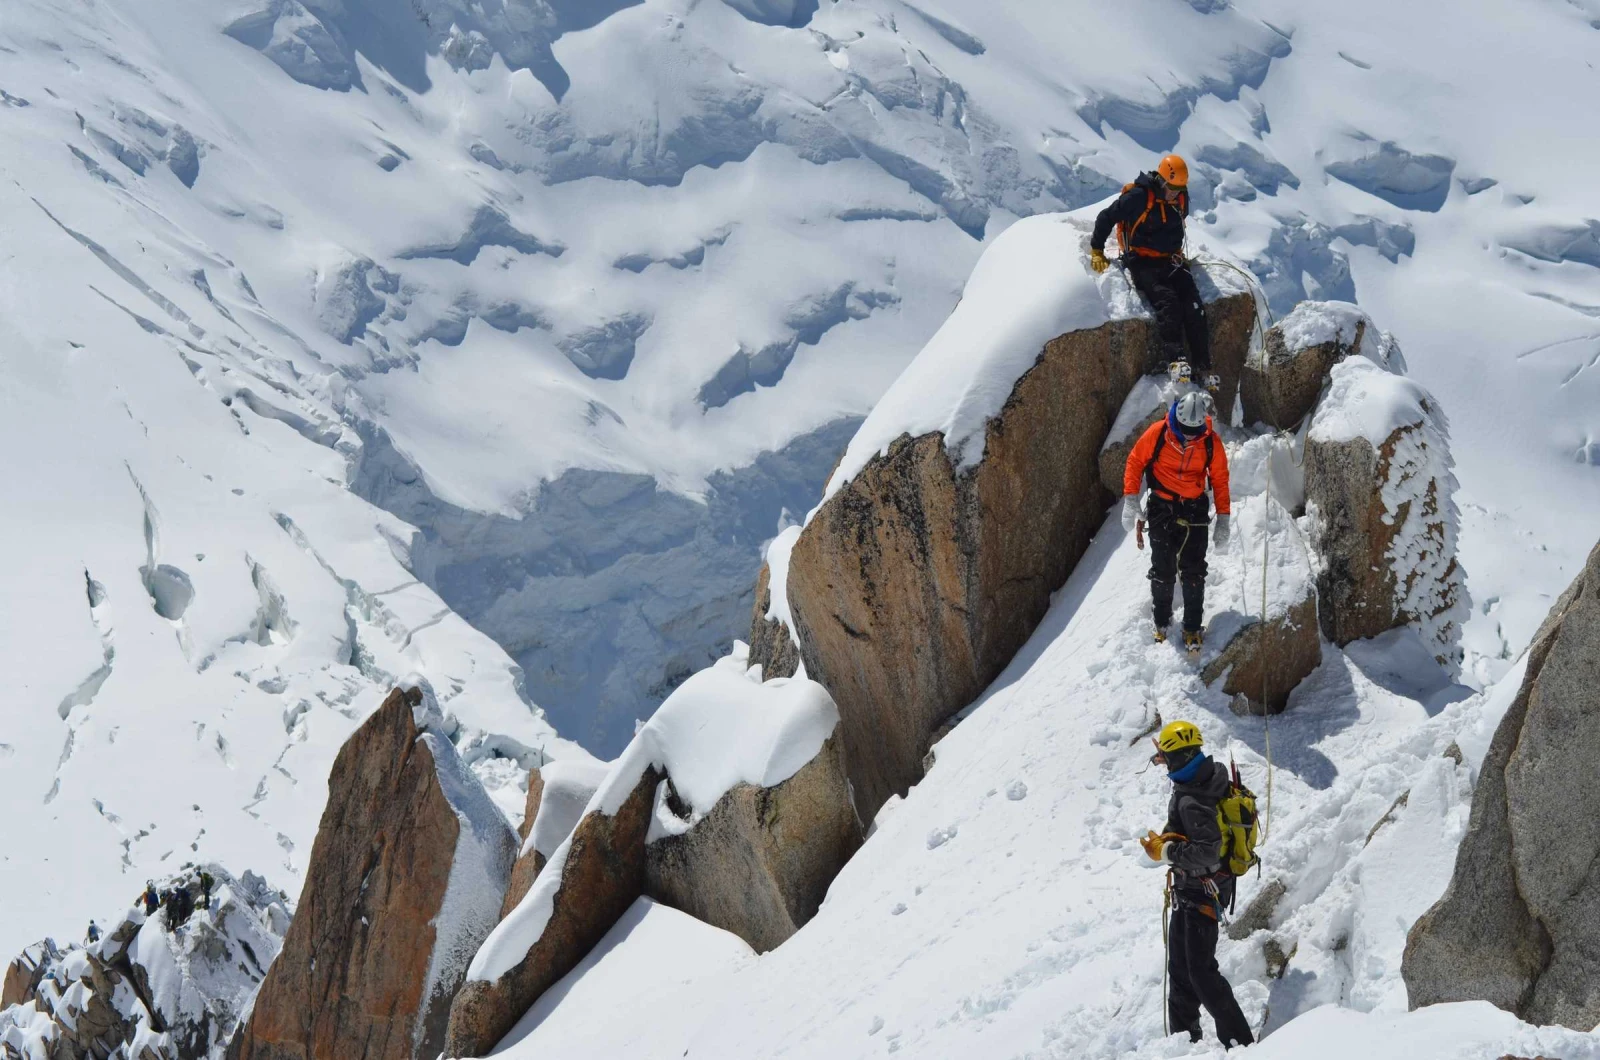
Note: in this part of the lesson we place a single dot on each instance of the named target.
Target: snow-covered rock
(172, 985)
(1146, 403)
(972, 489)
(772, 642)
(557, 797)
(1269, 642)
(723, 743)
(405, 880)
(595, 875)
(1265, 661)
(758, 862)
(1284, 376)
(1519, 923)
(528, 862)
(1380, 501)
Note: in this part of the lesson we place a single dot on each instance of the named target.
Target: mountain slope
(587, 302)
(1004, 907)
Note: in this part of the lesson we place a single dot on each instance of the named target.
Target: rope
(1266, 537)
(1266, 712)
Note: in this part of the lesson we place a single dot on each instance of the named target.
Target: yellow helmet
(1176, 735)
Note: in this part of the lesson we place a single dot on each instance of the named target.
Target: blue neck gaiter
(1187, 773)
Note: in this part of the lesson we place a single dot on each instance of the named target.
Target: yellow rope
(1266, 710)
(1266, 514)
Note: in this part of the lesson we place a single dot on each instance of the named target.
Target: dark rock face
(1265, 661)
(602, 875)
(772, 646)
(1114, 457)
(912, 587)
(759, 864)
(373, 958)
(1519, 925)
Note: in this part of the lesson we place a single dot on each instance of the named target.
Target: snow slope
(1005, 909)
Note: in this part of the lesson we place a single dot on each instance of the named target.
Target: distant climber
(93, 934)
(180, 907)
(1191, 845)
(1179, 458)
(1148, 217)
(207, 881)
(151, 900)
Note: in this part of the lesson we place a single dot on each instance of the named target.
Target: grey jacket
(1192, 813)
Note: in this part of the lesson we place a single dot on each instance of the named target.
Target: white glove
(1223, 532)
(1130, 511)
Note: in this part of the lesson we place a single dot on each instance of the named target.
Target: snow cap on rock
(1031, 285)
(426, 714)
(719, 729)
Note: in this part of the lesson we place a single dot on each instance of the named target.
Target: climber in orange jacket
(1178, 459)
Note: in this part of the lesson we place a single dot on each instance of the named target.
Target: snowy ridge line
(721, 728)
(1030, 286)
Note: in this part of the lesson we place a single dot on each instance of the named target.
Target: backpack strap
(1150, 468)
(1125, 231)
(1155, 454)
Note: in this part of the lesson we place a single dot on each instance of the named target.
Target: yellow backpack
(1236, 819)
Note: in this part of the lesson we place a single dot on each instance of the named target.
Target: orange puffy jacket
(1180, 467)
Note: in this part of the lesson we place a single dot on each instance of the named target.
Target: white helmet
(1191, 410)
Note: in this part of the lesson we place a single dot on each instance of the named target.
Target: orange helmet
(1174, 170)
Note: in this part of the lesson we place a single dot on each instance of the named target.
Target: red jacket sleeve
(1143, 450)
(1219, 479)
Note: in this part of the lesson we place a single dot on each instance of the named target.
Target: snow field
(201, 612)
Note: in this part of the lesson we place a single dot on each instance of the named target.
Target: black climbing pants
(1178, 538)
(1193, 979)
(1170, 290)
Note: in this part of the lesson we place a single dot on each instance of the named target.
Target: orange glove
(1155, 845)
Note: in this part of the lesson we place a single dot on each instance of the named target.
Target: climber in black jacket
(1148, 217)
(1192, 846)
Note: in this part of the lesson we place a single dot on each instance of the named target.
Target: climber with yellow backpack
(1209, 840)
(1148, 217)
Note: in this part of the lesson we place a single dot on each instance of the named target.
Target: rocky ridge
(919, 576)
(169, 985)
(406, 878)
(731, 804)
(1519, 922)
